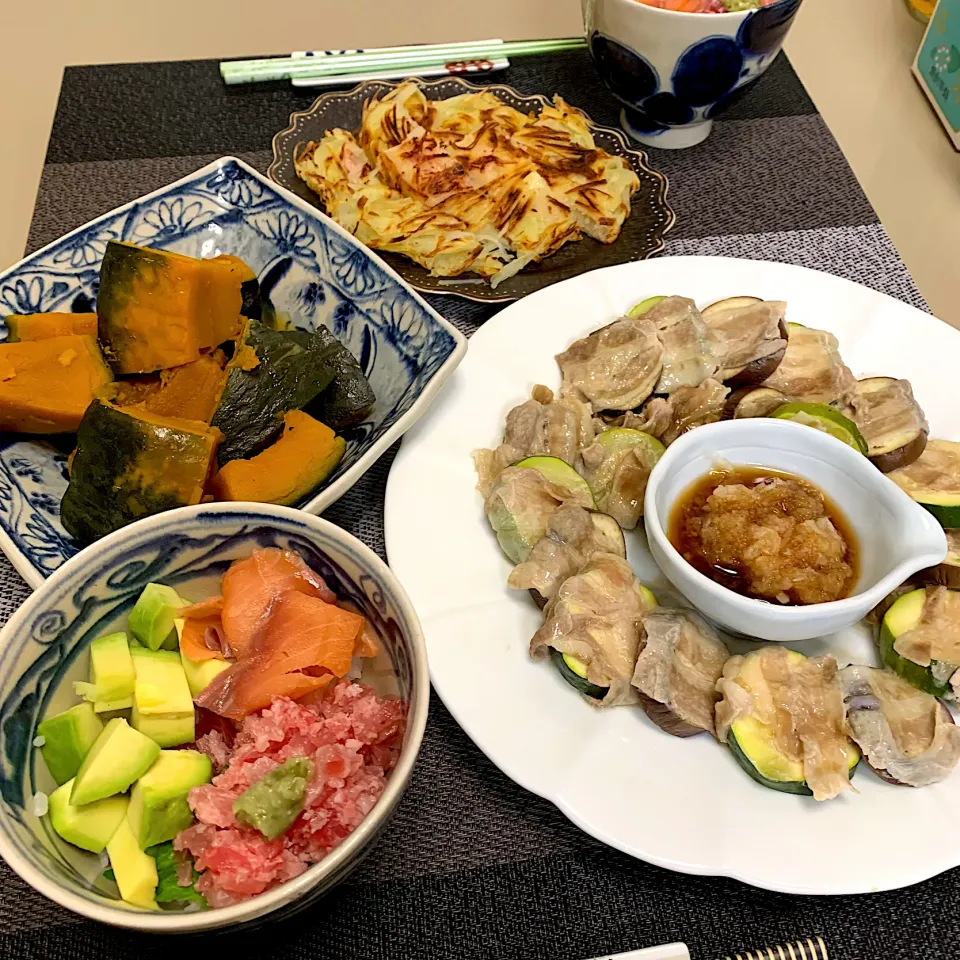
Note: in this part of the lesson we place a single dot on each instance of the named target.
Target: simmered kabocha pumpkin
(288, 470)
(46, 385)
(190, 392)
(129, 464)
(250, 306)
(159, 309)
(271, 372)
(349, 396)
(40, 326)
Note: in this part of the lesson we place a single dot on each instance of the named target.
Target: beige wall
(853, 55)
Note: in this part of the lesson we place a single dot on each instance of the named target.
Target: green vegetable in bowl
(272, 804)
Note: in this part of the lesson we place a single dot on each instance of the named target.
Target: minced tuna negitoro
(223, 748)
(353, 738)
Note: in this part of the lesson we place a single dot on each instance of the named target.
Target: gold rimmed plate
(642, 234)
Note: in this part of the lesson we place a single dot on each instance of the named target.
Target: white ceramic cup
(674, 72)
(895, 536)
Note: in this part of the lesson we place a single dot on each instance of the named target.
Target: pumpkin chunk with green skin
(159, 309)
(272, 372)
(348, 399)
(40, 326)
(288, 470)
(131, 464)
(46, 385)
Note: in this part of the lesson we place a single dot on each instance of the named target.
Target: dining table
(471, 865)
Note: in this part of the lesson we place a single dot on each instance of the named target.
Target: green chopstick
(406, 59)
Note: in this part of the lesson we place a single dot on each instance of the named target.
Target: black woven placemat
(473, 866)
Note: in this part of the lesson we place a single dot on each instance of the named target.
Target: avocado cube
(90, 827)
(68, 737)
(118, 757)
(199, 672)
(162, 705)
(151, 619)
(111, 674)
(134, 870)
(158, 802)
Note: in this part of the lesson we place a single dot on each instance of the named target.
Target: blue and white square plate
(309, 268)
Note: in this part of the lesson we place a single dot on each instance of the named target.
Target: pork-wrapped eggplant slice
(782, 716)
(681, 660)
(890, 420)
(573, 536)
(750, 338)
(947, 573)
(692, 407)
(751, 402)
(522, 499)
(811, 370)
(616, 367)
(688, 347)
(617, 466)
(907, 737)
(593, 622)
(920, 639)
(824, 418)
(933, 480)
(543, 425)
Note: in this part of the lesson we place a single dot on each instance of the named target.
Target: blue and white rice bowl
(674, 72)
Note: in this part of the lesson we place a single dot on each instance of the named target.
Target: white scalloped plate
(680, 804)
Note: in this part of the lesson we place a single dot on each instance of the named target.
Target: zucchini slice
(562, 474)
(759, 759)
(904, 615)
(933, 480)
(575, 673)
(754, 742)
(619, 478)
(825, 418)
(643, 306)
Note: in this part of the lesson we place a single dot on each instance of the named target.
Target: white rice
(39, 741)
(40, 804)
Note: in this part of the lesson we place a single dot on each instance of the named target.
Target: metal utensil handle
(795, 950)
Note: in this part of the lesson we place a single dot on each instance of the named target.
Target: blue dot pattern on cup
(706, 77)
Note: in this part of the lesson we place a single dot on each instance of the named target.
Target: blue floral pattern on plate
(310, 270)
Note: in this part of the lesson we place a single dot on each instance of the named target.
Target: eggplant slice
(541, 426)
(750, 402)
(616, 367)
(750, 336)
(811, 369)
(890, 420)
(906, 736)
(681, 660)
(573, 536)
(688, 347)
(593, 618)
(947, 573)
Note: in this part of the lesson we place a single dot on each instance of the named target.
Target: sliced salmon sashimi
(288, 637)
(251, 587)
